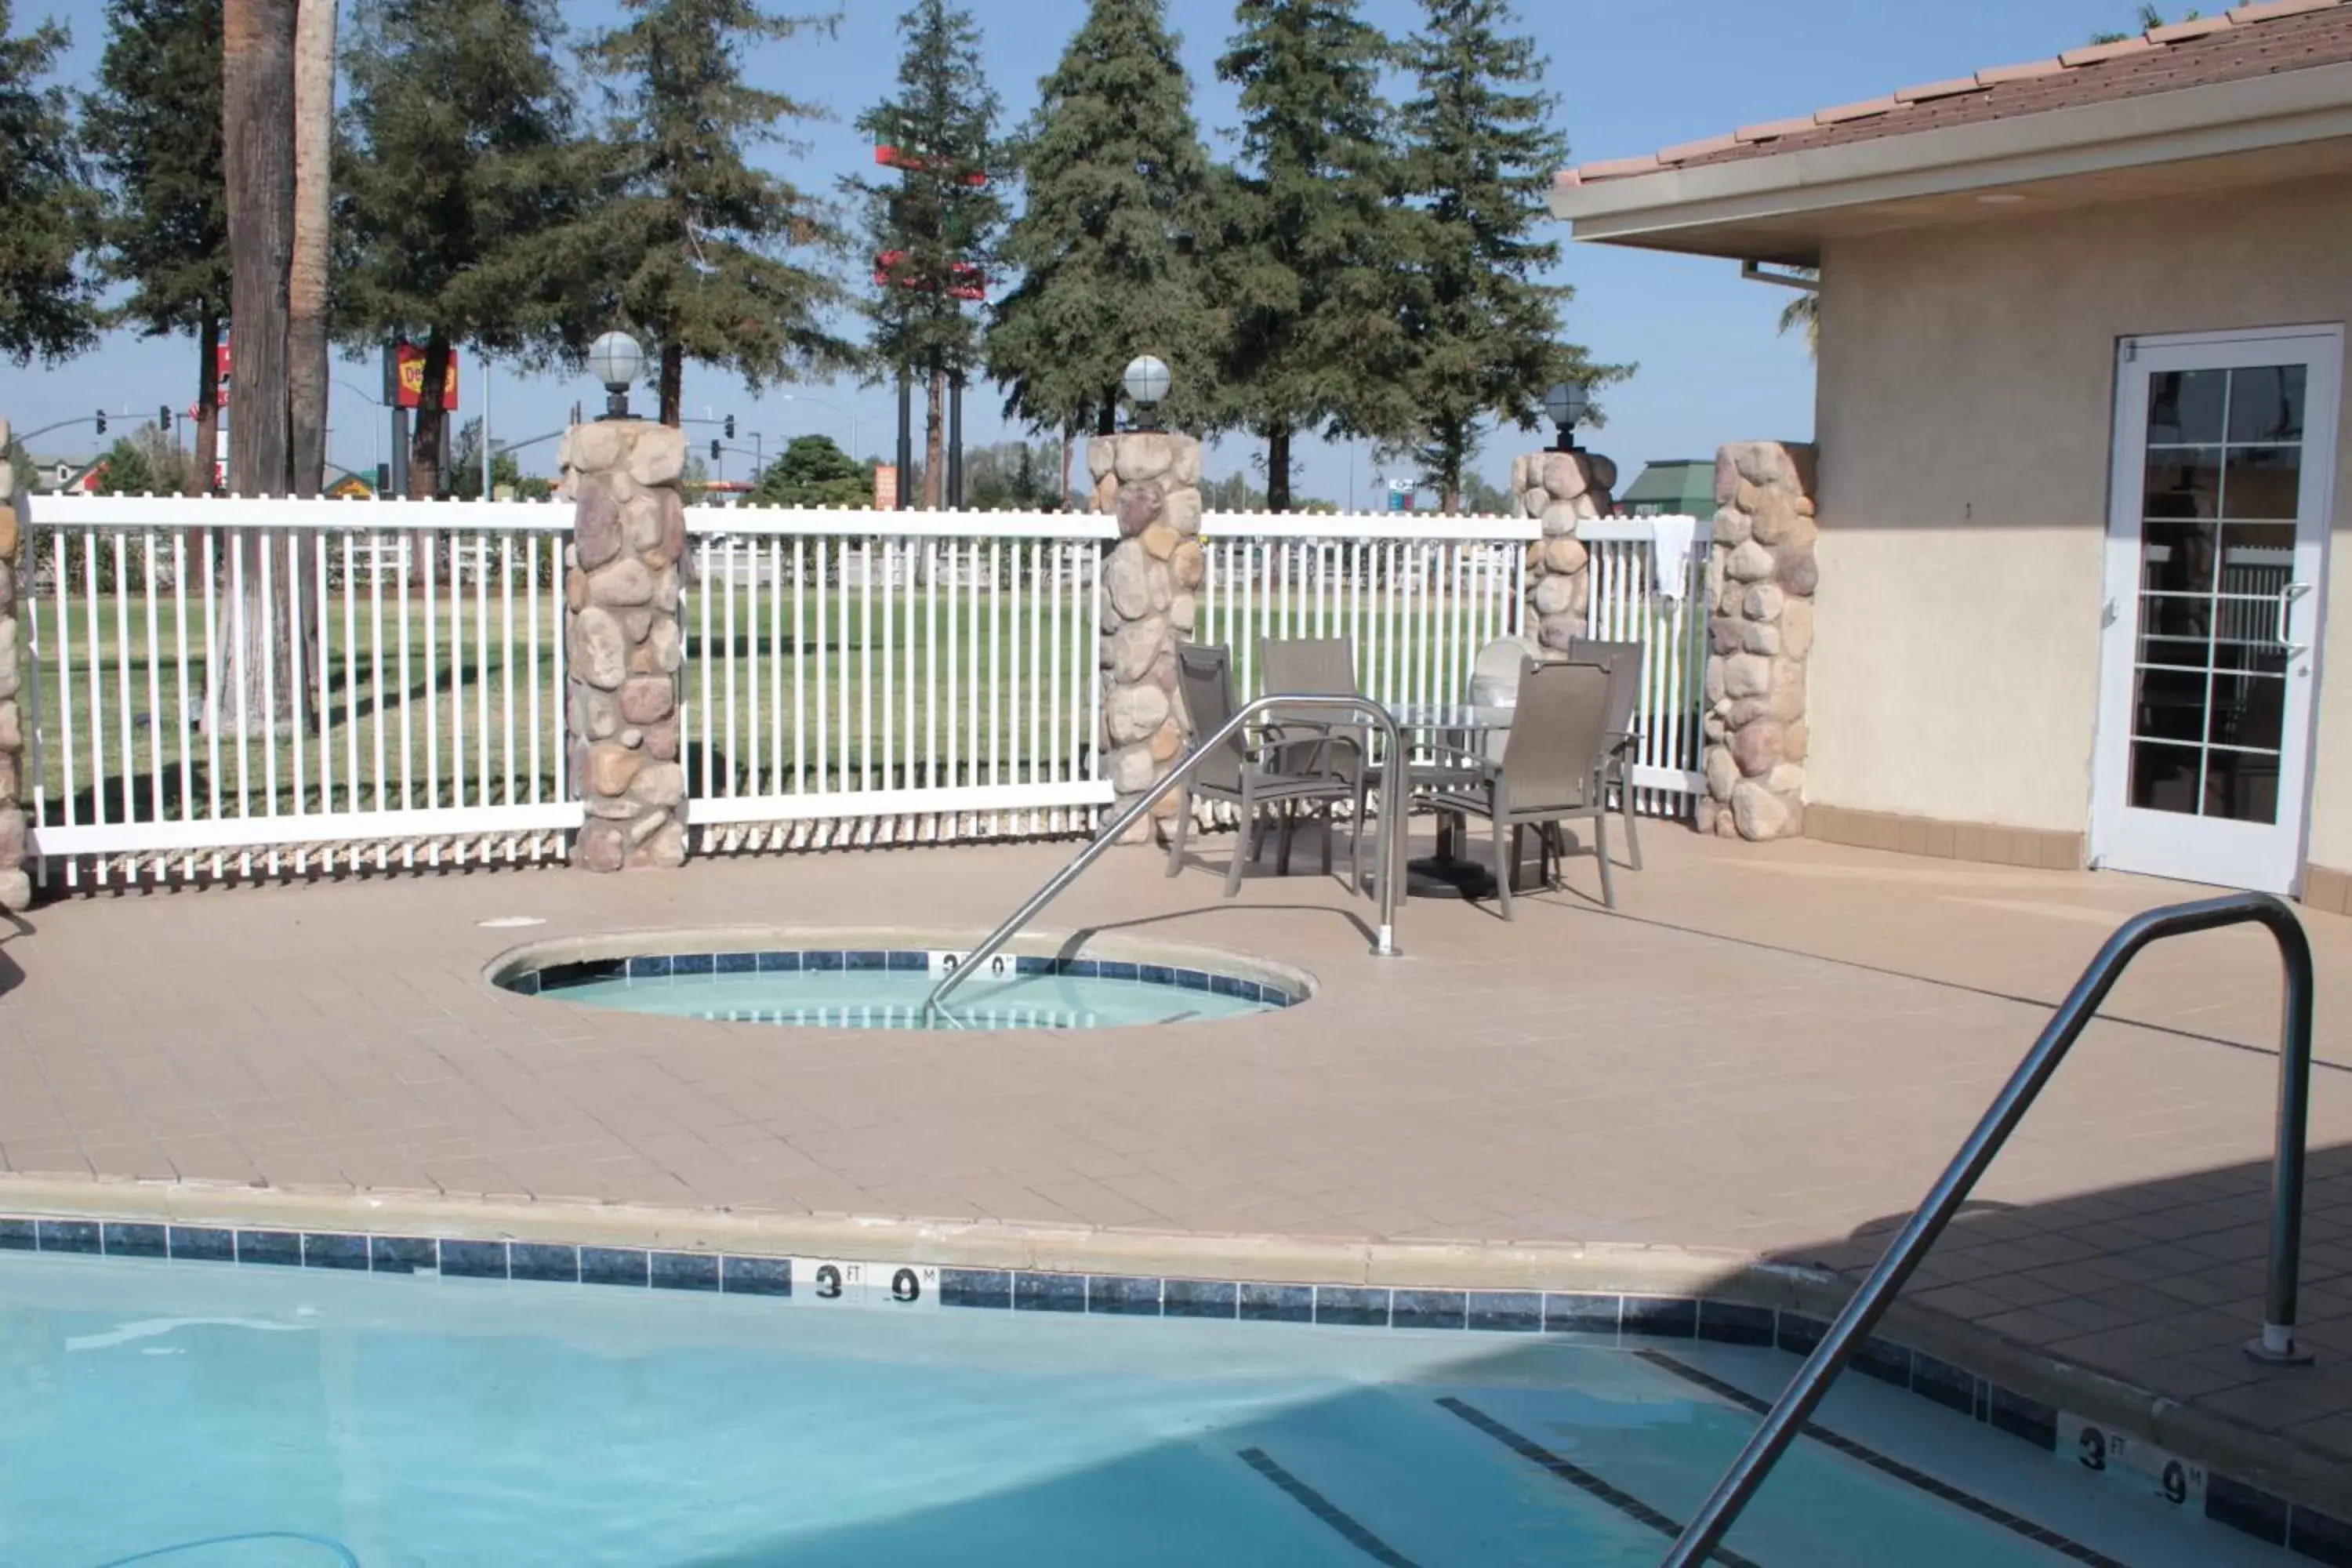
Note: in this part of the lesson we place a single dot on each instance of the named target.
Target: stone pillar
(16, 887)
(1561, 490)
(1151, 481)
(624, 647)
(1759, 587)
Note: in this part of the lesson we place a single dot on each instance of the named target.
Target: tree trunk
(254, 689)
(1107, 417)
(427, 451)
(314, 110)
(935, 448)
(1278, 469)
(200, 477)
(673, 385)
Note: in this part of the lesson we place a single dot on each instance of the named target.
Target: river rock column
(1759, 586)
(16, 887)
(624, 647)
(1561, 490)
(1151, 481)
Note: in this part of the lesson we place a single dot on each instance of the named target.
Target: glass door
(2224, 455)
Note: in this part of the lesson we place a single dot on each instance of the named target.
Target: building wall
(1965, 420)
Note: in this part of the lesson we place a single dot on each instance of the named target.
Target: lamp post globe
(1147, 382)
(617, 362)
(1566, 403)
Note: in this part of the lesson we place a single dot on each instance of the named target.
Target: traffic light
(730, 426)
(714, 449)
(101, 421)
(163, 418)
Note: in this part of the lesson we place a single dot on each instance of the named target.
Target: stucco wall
(1966, 411)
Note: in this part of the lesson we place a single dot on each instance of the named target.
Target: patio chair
(1268, 764)
(1550, 772)
(1320, 667)
(1623, 661)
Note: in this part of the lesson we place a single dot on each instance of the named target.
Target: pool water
(436, 1421)
(893, 999)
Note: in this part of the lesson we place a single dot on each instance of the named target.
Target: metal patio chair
(1320, 667)
(1623, 661)
(1550, 772)
(1280, 764)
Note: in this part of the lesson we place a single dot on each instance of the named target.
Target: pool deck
(1763, 1058)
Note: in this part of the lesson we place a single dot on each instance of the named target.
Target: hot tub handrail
(1392, 806)
(2276, 1344)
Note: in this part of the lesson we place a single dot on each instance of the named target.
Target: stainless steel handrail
(1797, 1403)
(1393, 801)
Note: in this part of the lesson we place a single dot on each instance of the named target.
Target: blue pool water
(888, 989)
(437, 1421)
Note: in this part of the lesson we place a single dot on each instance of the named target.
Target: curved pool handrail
(2276, 1344)
(1393, 800)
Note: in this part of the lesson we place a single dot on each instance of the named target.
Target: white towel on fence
(1670, 550)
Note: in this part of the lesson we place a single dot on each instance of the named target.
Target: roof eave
(1661, 211)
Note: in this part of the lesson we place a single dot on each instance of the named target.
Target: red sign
(915, 163)
(410, 361)
(968, 282)
(220, 376)
(886, 487)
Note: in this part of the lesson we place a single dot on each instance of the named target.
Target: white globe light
(1566, 403)
(618, 361)
(1147, 382)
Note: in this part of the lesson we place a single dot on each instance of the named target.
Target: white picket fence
(935, 681)
(938, 681)
(414, 718)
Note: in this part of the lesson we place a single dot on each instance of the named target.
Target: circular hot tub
(883, 980)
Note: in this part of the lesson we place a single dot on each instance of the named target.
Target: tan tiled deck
(1765, 1056)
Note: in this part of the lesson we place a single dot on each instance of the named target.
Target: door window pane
(2182, 481)
(2186, 406)
(2266, 404)
(2264, 482)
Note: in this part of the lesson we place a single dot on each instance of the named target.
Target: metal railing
(2276, 1344)
(1386, 885)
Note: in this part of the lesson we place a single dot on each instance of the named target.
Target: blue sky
(1632, 75)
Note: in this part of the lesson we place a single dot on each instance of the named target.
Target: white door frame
(2206, 848)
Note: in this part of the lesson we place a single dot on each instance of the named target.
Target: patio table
(1446, 875)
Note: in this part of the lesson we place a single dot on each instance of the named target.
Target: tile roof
(2246, 42)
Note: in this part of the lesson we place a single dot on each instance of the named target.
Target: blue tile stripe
(1620, 1319)
(553, 979)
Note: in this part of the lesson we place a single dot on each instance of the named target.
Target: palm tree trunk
(314, 110)
(252, 686)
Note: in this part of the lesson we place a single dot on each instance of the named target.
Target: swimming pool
(425, 1420)
(863, 981)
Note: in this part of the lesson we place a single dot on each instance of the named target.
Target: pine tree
(1480, 151)
(936, 221)
(462, 161)
(45, 207)
(813, 472)
(1116, 181)
(694, 237)
(154, 127)
(1306, 249)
